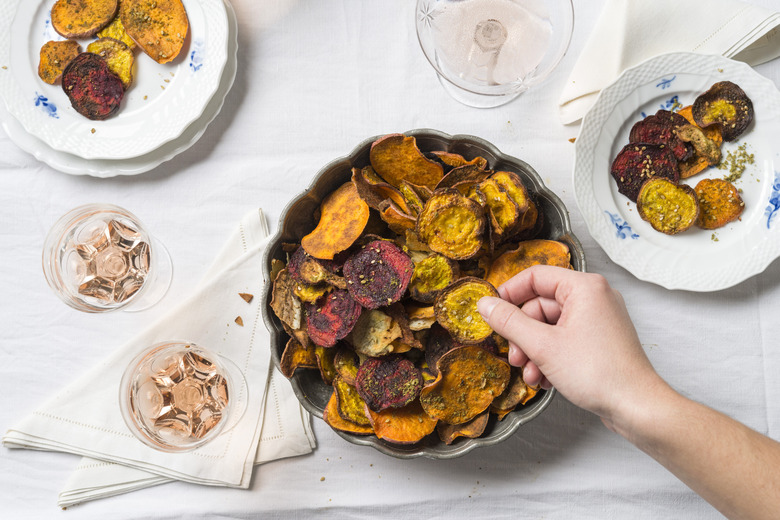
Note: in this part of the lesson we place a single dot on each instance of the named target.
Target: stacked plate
(164, 112)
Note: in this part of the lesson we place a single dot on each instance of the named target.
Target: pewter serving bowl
(298, 219)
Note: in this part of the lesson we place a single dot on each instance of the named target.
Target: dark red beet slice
(659, 129)
(378, 274)
(331, 318)
(638, 162)
(388, 382)
(94, 91)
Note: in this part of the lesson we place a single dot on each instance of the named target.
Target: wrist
(634, 416)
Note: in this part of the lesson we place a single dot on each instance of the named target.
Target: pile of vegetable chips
(381, 295)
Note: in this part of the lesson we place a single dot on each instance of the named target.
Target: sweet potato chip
(726, 104)
(343, 216)
(432, 275)
(468, 381)
(82, 18)
(395, 157)
(388, 382)
(374, 193)
(331, 417)
(452, 225)
(456, 309)
(351, 406)
(378, 274)
(118, 56)
(374, 333)
(471, 429)
(454, 160)
(515, 393)
(439, 343)
(326, 363)
(296, 356)
(159, 27)
(406, 425)
(420, 318)
(527, 254)
(346, 363)
(397, 220)
(719, 203)
(468, 174)
(332, 318)
(284, 303)
(668, 207)
(54, 57)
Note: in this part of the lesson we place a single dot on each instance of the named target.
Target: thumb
(517, 327)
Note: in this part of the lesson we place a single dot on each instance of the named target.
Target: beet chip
(331, 318)
(378, 274)
(94, 91)
(638, 162)
(660, 129)
(388, 382)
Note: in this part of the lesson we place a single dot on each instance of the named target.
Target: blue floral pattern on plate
(774, 202)
(48, 107)
(622, 229)
(671, 104)
(666, 82)
(196, 56)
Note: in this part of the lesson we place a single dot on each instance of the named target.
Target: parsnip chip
(331, 417)
(719, 203)
(452, 225)
(395, 157)
(374, 333)
(119, 58)
(456, 310)
(420, 317)
(432, 275)
(351, 407)
(54, 57)
(343, 216)
(296, 356)
(82, 18)
(159, 27)
(527, 254)
(471, 429)
(284, 303)
(468, 381)
(406, 425)
(306, 269)
(388, 382)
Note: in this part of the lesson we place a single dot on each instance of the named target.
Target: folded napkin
(84, 418)
(628, 32)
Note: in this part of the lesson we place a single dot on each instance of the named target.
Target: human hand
(572, 332)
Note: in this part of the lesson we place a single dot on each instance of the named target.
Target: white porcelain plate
(158, 107)
(697, 259)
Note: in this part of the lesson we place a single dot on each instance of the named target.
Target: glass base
(478, 100)
(154, 289)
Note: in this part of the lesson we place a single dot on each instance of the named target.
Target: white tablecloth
(314, 79)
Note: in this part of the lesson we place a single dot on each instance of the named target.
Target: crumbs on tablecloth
(322, 479)
(714, 237)
(239, 321)
(246, 296)
(572, 139)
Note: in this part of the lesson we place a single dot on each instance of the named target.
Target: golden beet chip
(719, 203)
(326, 363)
(285, 303)
(468, 381)
(82, 18)
(472, 429)
(432, 275)
(351, 406)
(726, 104)
(332, 418)
(388, 382)
(343, 217)
(346, 363)
(159, 27)
(668, 207)
(378, 274)
(505, 215)
(118, 56)
(55, 56)
(452, 225)
(395, 157)
(456, 310)
(528, 253)
(406, 425)
(117, 31)
(374, 333)
(332, 318)
(296, 356)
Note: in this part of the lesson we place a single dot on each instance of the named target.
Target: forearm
(734, 468)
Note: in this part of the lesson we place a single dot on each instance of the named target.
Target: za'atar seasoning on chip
(378, 274)
(331, 318)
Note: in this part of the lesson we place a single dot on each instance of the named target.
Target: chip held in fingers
(456, 310)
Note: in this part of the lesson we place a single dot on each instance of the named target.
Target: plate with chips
(374, 275)
(160, 103)
(697, 259)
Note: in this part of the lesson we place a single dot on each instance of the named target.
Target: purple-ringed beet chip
(659, 129)
(331, 318)
(378, 274)
(637, 162)
(439, 343)
(388, 382)
(94, 91)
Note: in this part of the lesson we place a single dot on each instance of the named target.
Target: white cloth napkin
(630, 31)
(84, 418)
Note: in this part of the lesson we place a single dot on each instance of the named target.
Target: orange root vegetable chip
(54, 57)
(527, 254)
(375, 193)
(326, 363)
(346, 363)
(420, 318)
(374, 333)
(159, 27)
(699, 162)
(388, 382)
(395, 157)
(296, 356)
(407, 425)
(456, 310)
(82, 18)
(468, 381)
(668, 207)
(439, 343)
(397, 220)
(432, 275)
(452, 225)
(453, 160)
(466, 175)
(351, 406)
(726, 104)
(378, 274)
(472, 429)
(332, 318)
(414, 199)
(719, 203)
(343, 217)
(331, 417)
(285, 303)
(515, 393)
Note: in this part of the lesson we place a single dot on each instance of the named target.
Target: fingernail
(486, 304)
